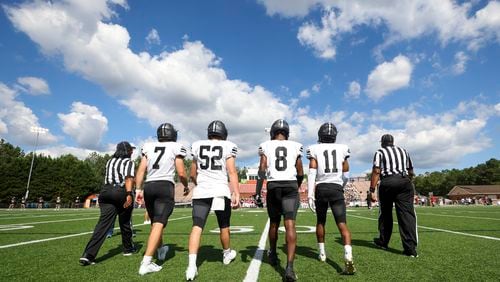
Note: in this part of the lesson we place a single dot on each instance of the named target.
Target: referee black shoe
(290, 275)
(410, 253)
(85, 261)
(379, 243)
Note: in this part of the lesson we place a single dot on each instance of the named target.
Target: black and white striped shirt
(117, 169)
(392, 160)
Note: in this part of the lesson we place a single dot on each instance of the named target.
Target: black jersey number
(280, 162)
(162, 151)
(210, 162)
(327, 161)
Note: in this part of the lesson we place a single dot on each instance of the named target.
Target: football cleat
(349, 267)
(290, 275)
(161, 252)
(322, 256)
(228, 257)
(272, 258)
(191, 273)
(146, 268)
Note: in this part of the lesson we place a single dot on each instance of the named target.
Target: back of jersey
(210, 157)
(281, 158)
(161, 159)
(329, 157)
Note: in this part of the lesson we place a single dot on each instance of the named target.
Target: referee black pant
(398, 190)
(111, 200)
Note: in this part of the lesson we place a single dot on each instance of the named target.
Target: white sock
(146, 259)
(192, 260)
(348, 252)
(321, 247)
(226, 251)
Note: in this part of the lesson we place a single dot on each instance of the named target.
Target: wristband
(372, 189)
(128, 193)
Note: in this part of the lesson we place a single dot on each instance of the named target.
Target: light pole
(37, 130)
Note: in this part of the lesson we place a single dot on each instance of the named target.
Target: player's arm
(139, 179)
(300, 171)
(345, 172)
(311, 183)
(194, 172)
(233, 181)
(261, 173)
(181, 173)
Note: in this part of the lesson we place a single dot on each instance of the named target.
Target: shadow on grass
(313, 254)
(368, 244)
(116, 251)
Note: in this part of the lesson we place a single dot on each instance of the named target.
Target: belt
(403, 175)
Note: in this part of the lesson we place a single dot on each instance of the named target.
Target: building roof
(463, 190)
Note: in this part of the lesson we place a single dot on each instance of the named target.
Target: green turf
(443, 256)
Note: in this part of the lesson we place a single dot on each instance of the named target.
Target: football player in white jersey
(160, 160)
(213, 161)
(281, 160)
(328, 174)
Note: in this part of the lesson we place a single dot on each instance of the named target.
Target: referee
(393, 166)
(115, 198)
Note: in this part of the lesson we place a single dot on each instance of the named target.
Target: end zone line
(253, 269)
(441, 230)
(69, 236)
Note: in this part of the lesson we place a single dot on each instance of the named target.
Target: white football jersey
(329, 157)
(161, 159)
(210, 157)
(281, 158)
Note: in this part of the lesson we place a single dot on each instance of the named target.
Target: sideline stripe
(69, 236)
(439, 229)
(459, 216)
(253, 269)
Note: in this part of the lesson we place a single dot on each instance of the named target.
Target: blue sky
(97, 72)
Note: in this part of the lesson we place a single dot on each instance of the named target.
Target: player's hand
(235, 200)
(372, 197)
(128, 202)
(312, 205)
(139, 197)
(186, 191)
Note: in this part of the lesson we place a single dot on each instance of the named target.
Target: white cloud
(33, 85)
(183, 87)
(354, 90)
(304, 93)
(85, 124)
(153, 37)
(460, 63)
(388, 77)
(16, 120)
(404, 20)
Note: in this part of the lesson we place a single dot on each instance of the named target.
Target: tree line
(66, 176)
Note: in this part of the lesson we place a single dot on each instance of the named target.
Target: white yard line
(459, 216)
(441, 230)
(71, 235)
(253, 269)
(53, 221)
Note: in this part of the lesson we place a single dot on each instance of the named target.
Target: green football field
(455, 244)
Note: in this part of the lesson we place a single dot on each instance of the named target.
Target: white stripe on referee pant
(253, 269)
(69, 236)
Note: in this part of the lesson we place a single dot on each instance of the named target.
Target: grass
(444, 256)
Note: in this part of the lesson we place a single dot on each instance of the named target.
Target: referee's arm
(375, 178)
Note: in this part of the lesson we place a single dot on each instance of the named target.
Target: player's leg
(321, 210)
(274, 212)
(339, 213)
(201, 208)
(407, 219)
(224, 222)
(290, 203)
